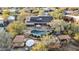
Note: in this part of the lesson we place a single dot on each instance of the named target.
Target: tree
(41, 11)
(76, 37)
(39, 46)
(5, 40)
(73, 8)
(59, 25)
(75, 27)
(58, 13)
(48, 39)
(23, 14)
(16, 28)
(35, 11)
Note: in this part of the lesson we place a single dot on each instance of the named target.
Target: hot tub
(38, 32)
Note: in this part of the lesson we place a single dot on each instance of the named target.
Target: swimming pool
(38, 32)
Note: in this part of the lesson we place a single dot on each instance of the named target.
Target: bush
(58, 13)
(5, 40)
(39, 47)
(16, 27)
(76, 37)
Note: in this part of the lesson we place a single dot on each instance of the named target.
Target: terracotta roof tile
(19, 38)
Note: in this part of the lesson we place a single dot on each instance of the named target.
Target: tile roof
(19, 38)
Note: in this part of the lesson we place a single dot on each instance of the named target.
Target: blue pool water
(38, 32)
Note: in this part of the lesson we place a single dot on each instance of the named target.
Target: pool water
(38, 32)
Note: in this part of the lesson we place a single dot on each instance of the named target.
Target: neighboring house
(39, 20)
(71, 18)
(70, 12)
(67, 12)
(19, 41)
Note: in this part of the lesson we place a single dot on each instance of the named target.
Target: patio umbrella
(30, 42)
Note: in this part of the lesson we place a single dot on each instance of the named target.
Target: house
(19, 41)
(71, 18)
(67, 12)
(71, 12)
(38, 20)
